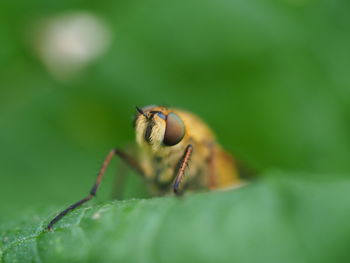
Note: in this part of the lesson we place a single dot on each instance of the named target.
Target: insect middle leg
(181, 172)
(128, 159)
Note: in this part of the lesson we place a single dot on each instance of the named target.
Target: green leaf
(276, 219)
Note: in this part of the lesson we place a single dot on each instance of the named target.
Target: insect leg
(181, 172)
(128, 159)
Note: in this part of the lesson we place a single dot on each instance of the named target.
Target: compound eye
(174, 131)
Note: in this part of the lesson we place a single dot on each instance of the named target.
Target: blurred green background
(270, 77)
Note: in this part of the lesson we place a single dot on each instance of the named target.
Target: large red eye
(174, 131)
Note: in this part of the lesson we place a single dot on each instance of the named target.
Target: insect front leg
(181, 172)
(128, 159)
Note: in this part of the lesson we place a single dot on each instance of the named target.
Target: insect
(177, 151)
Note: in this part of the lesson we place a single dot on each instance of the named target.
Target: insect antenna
(141, 112)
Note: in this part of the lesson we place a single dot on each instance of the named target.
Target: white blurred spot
(96, 216)
(68, 42)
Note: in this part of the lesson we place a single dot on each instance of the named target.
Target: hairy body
(209, 167)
